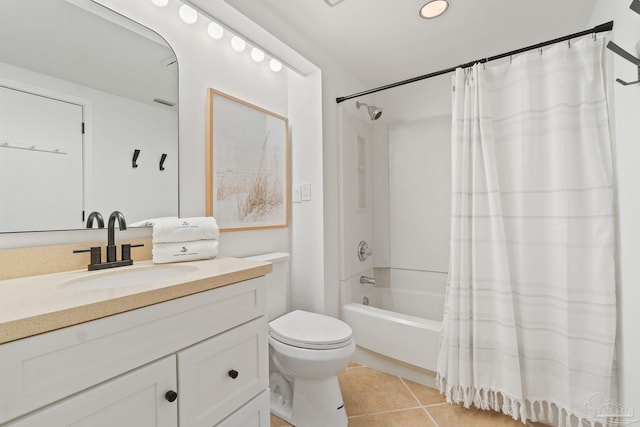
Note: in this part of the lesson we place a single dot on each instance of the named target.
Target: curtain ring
(569, 42)
(510, 59)
(540, 50)
(594, 36)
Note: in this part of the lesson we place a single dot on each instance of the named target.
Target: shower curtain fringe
(518, 409)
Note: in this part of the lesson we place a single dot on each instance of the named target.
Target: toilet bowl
(307, 352)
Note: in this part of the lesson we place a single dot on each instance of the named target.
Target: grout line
(410, 391)
(424, 408)
(402, 380)
(384, 412)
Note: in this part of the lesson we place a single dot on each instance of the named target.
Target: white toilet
(306, 351)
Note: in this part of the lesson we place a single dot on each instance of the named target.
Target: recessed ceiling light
(160, 3)
(434, 8)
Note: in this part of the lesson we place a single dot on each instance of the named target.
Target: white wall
(307, 249)
(626, 104)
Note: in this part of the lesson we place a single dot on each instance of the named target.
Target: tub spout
(366, 280)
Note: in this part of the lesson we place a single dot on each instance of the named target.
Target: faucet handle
(96, 254)
(126, 250)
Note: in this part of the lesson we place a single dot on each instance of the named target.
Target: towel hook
(134, 160)
(626, 55)
(162, 159)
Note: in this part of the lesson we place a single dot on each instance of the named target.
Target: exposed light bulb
(160, 3)
(188, 14)
(215, 30)
(238, 44)
(257, 55)
(275, 65)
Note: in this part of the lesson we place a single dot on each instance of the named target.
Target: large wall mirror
(88, 117)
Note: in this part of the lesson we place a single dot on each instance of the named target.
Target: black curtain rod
(597, 29)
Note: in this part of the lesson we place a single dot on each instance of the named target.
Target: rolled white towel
(184, 251)
(185, 229)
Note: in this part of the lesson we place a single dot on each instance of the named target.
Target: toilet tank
(278, 283)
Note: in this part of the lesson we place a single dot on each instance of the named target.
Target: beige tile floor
(376, 399)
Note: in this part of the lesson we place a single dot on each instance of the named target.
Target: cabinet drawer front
(222, 373)
(39, 370)
(253, 414)
(133, 399)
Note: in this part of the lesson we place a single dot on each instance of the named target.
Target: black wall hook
(626, 55)
(162, 159)
(134, 161)
(635, 6)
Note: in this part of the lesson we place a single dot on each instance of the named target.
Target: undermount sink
(128, 277)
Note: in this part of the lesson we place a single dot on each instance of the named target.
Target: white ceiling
(383, 41)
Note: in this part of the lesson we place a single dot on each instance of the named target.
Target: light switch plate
(295, 193)
(305, 190)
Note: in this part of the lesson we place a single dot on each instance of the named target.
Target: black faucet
(112, 259)
(111, 233)
(97, 217)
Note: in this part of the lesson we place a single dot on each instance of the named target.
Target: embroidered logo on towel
(184, 249)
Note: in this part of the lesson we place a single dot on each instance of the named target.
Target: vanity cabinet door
(138, 398)
(222, 373)
(253, 414)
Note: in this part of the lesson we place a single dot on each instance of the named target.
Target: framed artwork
(247, 164)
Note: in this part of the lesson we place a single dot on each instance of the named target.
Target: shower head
(374, 112)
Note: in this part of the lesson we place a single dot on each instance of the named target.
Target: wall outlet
(305, 190)
(295, 193)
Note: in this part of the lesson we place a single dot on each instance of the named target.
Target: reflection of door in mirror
(124, 77)
(41, 159)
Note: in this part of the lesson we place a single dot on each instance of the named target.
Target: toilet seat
(310, 330)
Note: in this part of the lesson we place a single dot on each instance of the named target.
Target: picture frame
(247, 164)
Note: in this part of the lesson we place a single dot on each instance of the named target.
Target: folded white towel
(151, 221)
(184, 251)
(185, 229)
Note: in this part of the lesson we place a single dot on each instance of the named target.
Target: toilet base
(316, 403)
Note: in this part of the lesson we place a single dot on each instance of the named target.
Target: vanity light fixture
(188, 14)
(434, 8)
(238, 44)
(275, 65)
(215, 30)
(257, 55)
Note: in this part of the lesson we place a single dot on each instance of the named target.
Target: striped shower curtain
(530, 312)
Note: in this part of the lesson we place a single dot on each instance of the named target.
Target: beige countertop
(37, 304)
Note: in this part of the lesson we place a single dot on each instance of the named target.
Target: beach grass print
(248, 182)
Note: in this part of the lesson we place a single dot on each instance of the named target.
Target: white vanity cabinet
(210, 348)
(132, 399)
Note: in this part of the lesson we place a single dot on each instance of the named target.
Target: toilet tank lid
(273, 257)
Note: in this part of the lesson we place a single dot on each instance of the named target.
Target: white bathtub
(400, 323)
